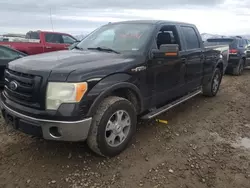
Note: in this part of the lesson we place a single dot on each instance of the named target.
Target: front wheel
(113, 127)
(211, 88)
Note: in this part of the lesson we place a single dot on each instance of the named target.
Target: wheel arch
(123, 89)
(220, 65)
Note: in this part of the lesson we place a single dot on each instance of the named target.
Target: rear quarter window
(32, 35)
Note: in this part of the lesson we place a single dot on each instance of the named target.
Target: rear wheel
(239, 69)
(113, 127)
(211, 88)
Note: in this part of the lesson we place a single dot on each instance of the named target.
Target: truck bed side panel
(216, 52)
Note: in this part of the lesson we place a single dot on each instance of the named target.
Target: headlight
(61, 92)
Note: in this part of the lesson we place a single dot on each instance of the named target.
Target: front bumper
(48, 129)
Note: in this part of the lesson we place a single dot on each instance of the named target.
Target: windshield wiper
(77, 47)
(104, 49)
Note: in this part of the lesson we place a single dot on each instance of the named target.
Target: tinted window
(68, 39)
(6, 53)
(241, 43)
(53, 38)
(192, 41)
(221, 40)
(32, 35)
(233, 43)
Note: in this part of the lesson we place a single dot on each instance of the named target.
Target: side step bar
(165, 108)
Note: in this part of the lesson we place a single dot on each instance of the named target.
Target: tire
(211, 89)
(239, 69)
(102, 141)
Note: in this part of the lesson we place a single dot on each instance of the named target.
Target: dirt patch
(205, 144)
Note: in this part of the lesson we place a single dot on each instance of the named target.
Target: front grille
(22, 88)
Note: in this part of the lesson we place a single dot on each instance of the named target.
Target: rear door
(193, 55)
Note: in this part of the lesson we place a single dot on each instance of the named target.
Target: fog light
(54, 131)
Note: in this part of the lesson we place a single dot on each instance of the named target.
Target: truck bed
(222, 49)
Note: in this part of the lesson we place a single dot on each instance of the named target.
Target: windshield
(119, 37)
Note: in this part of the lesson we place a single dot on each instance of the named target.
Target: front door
(167, 73)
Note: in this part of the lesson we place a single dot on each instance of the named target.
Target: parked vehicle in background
(7, 55)
(119, 72)
(237, 56)
(36, 42)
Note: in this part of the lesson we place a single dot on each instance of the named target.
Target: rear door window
(190, 37)
(32, 35)
(241, 43)
(54, 38)
(244, 43)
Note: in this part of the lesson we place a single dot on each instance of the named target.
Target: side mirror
(166, 51)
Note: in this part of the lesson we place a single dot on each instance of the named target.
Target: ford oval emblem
(13, 85)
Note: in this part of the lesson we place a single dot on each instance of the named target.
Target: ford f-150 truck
(120, 72)
(36, 42)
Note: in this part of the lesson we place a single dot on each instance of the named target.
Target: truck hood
(68, 61)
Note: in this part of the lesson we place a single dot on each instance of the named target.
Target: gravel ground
(205, 144)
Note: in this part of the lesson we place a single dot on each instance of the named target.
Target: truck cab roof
(41, 31)
(151, 22)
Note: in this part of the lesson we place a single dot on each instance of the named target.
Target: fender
(220, 61)
(109, 84)
(208, 77)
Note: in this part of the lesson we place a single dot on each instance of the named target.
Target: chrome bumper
(49, 129)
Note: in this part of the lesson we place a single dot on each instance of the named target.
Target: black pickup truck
(118, 73)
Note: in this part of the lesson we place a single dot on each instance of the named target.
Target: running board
(165, 108)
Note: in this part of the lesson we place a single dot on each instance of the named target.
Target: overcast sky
(82, 16)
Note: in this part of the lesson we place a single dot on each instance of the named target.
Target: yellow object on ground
(162, 121)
